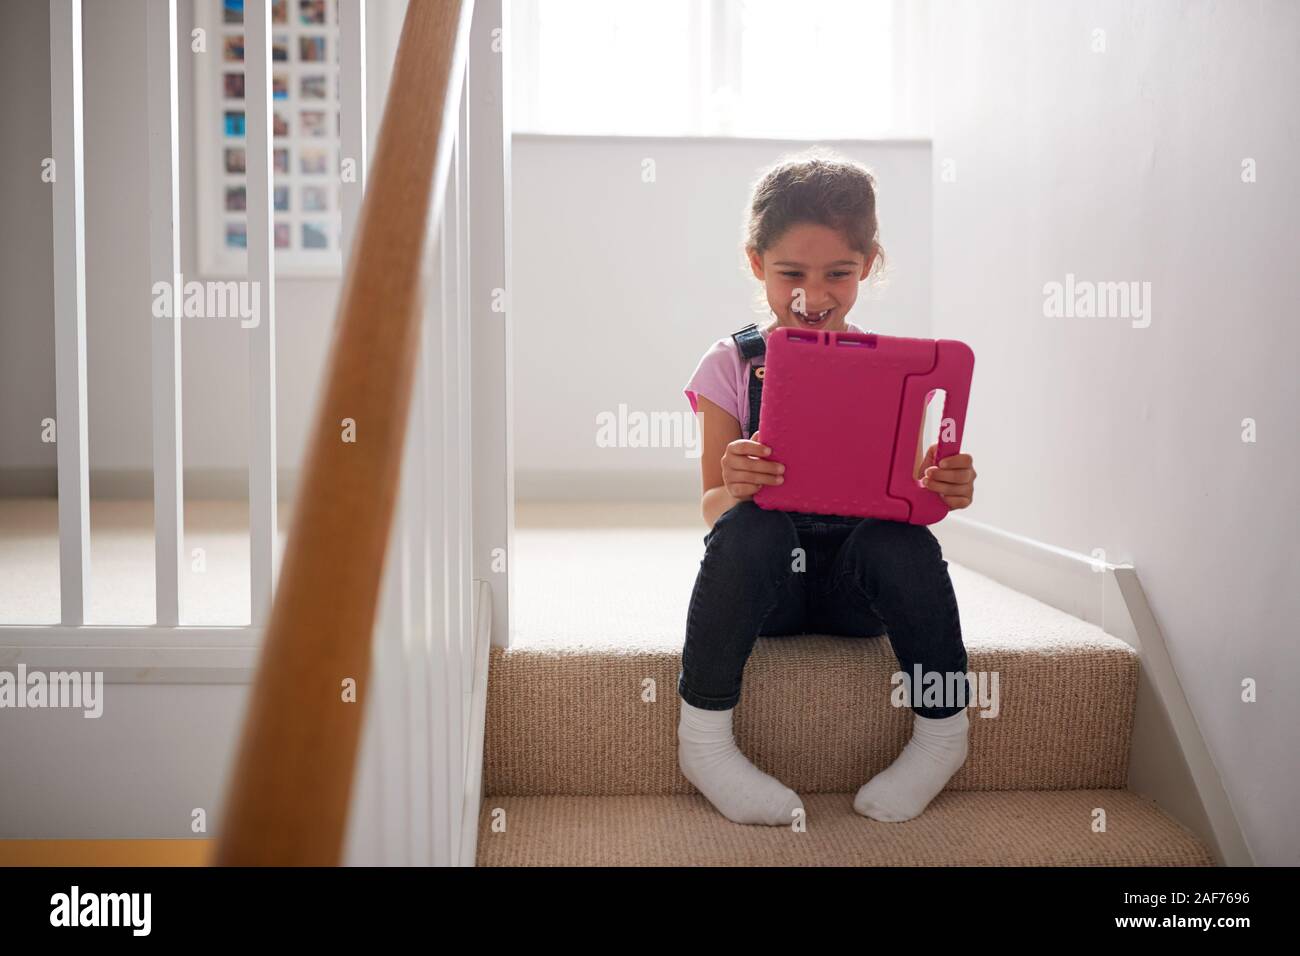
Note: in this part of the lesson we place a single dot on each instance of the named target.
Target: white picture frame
(306, 138)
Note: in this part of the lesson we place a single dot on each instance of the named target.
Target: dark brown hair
(816, 186)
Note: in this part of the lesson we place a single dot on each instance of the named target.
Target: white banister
(70, 309)
(412, 801)
(416, 791)
(261, 341)
(427, 712)
(414, 805)
(165, 340)
(417, 744)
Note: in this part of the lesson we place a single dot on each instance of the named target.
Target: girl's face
(811, 276)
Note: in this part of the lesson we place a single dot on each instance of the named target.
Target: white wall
(26, 289)
(621, 285)
(158, 752)
(1126, 165)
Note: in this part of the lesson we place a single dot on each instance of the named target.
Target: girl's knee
(747, 530)
(749, 519)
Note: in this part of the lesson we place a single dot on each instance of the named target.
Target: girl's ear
(866, 267)
(755, 263)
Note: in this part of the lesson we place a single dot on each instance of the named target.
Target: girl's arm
(715, 503)
(727, 459)
(718, 430)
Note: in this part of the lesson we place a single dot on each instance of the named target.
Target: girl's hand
(744, 471)
(953, 478)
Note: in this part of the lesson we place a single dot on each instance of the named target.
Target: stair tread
(627, 589)
(959, 828)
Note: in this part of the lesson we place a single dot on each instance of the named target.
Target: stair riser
(814, 712)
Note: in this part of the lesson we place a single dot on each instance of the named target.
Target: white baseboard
(136, 655)
(1168, 759)
(1072, 582)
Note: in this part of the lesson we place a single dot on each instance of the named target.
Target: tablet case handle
(953, 367)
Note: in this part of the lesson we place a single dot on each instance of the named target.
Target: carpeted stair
(580, 747)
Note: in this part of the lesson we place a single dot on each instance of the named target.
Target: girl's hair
(816, 186)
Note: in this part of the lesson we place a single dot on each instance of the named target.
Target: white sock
(905, 788)
(710, 759)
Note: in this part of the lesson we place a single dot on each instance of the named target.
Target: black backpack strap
(752, 346)
(750, 342)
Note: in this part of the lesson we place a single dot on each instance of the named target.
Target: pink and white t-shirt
(723, 378)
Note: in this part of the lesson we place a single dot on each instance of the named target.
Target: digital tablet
(843, 412)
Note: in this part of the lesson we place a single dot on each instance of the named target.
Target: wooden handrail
(288, 799)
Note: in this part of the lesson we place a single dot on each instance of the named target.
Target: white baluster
(463, 458)
(493, 402)
(261, 338)
(165, 267)
(352, 112)
(412, 519)
(70, 309)
(430, 444)
(449, 683)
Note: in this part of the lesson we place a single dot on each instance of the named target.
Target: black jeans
(860, 577)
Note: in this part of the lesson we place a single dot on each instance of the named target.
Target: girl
(811, 237)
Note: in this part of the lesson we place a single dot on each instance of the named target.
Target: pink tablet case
(842, 412)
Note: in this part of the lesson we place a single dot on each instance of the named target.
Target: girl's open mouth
(814, 319)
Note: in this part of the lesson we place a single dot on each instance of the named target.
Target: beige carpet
(619, 578)
(958, 829)
(214, 582)
(601, 611)
(581, 725)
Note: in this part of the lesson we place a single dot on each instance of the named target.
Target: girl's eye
(792, 275)
(838, 275)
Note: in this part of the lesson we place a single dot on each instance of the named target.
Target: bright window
(815, 69)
